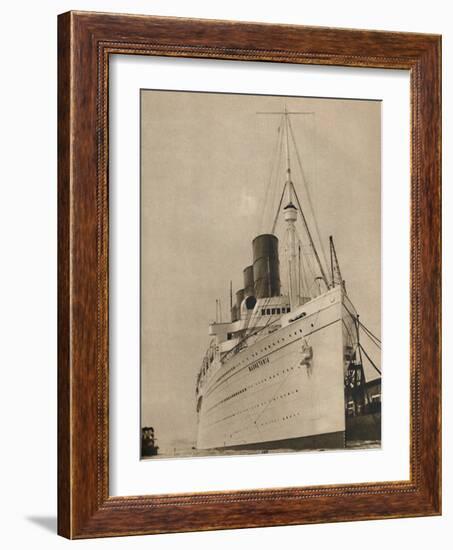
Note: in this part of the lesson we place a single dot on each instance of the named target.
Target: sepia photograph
(260, 288)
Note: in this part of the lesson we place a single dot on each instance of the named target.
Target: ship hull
(334, 440)
(285, 390)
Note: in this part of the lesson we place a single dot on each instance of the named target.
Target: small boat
(148, 443)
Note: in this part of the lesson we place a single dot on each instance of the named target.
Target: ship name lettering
(259, 364)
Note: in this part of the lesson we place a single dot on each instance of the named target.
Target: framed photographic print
(268, 378)
(249, 275)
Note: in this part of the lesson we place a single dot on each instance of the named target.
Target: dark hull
(364, 427)
(335, 440)
(149, 450)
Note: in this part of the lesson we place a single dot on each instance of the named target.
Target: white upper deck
(271, 313)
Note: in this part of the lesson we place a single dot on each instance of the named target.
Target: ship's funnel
(240, 295)
(266, 271)
(249, 282)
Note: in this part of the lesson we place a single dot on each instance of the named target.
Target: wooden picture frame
(85, 42)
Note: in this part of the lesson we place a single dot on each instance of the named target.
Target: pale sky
(206, 160)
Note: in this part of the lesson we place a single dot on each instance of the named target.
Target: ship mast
(293, 283)
(291, 209)
(290, 218)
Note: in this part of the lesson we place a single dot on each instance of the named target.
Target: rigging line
(235, 348)
(277, 175)
(308, 273)
(306, 284)
(286, 271)
(256, 319)
(348, 331)
(356, 325)
(246, 338)
(247, 323)
(309, 236)
(299, 265)
(273, 196)
(275, 159)
(305, 182)
(304, 261)
(270, 317)
(301, 269)
(288, 165)
(369, 333)
(311, 271)
(369, 359)
(373, 341)
(367, 330)
(269, 323)
(278, 209)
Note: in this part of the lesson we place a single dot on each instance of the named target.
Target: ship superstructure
(274, 374)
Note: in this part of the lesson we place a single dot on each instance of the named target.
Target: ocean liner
(286, 370)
